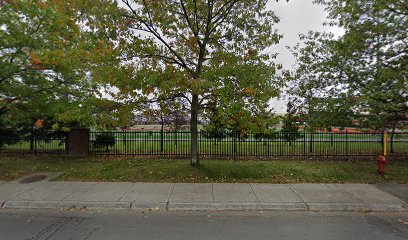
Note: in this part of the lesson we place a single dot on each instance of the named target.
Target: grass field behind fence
(243, 148)
(234, 145)
(177, 144)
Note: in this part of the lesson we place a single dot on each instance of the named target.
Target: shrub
(104, 141)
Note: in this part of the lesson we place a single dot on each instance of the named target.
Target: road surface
(123, 225)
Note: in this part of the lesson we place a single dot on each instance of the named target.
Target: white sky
(297, 16)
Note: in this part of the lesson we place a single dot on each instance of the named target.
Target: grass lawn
(155, 170)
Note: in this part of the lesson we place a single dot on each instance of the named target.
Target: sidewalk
(198, 196)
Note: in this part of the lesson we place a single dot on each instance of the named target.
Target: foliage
(8, 136)
(104, 140)
(201, 51)
(290, 128)
(360, 76)
(47, 57)
(214, 133)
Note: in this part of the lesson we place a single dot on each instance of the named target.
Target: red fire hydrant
(381, 161)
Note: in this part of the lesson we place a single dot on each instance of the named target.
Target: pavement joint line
(355, 195)
(253, 192)
(133, 184)
(87, 189)
(212, 191)
(168, 200)
(300, 197)
(345, 191)
(307, 206)
(24, 191)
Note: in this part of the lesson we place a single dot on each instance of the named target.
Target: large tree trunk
(194, 131)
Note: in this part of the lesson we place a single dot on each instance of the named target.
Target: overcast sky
(297, 16)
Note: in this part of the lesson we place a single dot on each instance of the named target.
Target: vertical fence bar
(347, 144)
(35, 142)
(311, 144)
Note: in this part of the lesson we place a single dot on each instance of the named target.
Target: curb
(237, 206)
(356, 207)
(150, 206)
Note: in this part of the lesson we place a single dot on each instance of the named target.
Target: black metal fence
(216, 145)
(237, 145)
(34, 142)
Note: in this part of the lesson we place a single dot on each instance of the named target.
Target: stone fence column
(78, 142)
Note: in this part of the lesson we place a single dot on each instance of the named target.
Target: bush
(214, 134)
(8, 136)
(104, 141)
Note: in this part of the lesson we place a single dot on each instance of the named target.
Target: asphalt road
(122, 225)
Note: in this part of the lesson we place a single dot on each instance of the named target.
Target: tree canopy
(360, 76)
(48, 50)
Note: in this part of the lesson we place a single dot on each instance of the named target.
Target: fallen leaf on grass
(403, 222)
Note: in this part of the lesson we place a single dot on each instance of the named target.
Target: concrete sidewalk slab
(322, 193)
(398, 190)
(192, 193)
(275, 193)
(149, 195)
(367, 193)
(52, 191)
(10, 189)
(232, 193)
(101, 192)
(198, 196)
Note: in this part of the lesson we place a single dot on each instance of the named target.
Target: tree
(198, 51)
(47, 56)
(317, 89)
(361, 75)
(290, 129)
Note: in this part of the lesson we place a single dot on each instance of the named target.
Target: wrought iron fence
(237, 145)
(34, 142)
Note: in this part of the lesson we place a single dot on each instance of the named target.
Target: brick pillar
(78, 142)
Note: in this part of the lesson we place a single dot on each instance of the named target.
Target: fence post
(78, 142)
(384, 137)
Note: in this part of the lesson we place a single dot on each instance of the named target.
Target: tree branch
(151, 29)
(185, 15)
